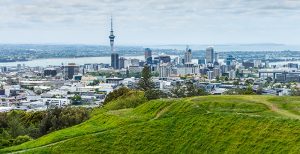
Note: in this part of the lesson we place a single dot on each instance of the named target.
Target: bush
(153, 94)
(116, 94)
(21, 139)
(4, 143)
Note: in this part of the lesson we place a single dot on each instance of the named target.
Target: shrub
(115, 94)
(21, 139)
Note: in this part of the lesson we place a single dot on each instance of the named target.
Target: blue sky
(146, 22)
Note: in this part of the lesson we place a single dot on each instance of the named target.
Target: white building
(210, 75)
(56, 102)
(164, 70)
(232, 74)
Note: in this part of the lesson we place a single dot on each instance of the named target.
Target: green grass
(208, 124)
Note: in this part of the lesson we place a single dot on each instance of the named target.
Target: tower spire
(114, 55)
(111, 23)
(111, 36)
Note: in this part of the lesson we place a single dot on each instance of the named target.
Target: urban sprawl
(40, 88)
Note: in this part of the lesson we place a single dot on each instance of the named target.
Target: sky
(150, 22)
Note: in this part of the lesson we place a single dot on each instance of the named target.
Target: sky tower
(111, 36)
(114, 55)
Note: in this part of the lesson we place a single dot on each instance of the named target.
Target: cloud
(61, 12)
(160, 16)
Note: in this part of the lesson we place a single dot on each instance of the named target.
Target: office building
(164, 70)
(115, 60)
(216, 57)
(209, 55)
(232, 74)
(148, 56)
(162, 59)
(50, 72)
(210, 75)
(188, 55)
(70, 70)
(229, 60)
(122, 62)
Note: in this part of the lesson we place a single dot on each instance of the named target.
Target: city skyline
(151, 22)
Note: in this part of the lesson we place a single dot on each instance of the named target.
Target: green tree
(191, 89)
(115, 94)
(145, 82)
(178, 91)
(249, 82)
(153, 94)
(15, 126)
(76, 99)
(295, 91)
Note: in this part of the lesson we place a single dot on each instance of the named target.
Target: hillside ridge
(176, 121)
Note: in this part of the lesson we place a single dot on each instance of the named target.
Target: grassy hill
(208, 124)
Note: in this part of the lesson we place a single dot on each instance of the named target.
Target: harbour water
(87, 60)
(65, 61)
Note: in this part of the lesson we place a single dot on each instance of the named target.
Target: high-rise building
(122, 62)
(232, 74)
(216, 57)
(70, 70)
(135, 62)
(210, 75)
(229, 60)
(164, 70)
(114, 56)
(50, 72)
(187, 55)
(148, 56)
(115, 61)
(209, 56)
(162, 59)
(217, 72)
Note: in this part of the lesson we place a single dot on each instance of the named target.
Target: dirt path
(273, 107)
(164, 110)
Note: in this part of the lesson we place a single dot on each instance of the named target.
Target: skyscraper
(216, 57)
(148, 55)
(114, 56)
(122, 62)
(70, 70)
(209, 56)
(188, 55)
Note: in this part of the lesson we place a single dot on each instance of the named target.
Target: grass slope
(210, 124)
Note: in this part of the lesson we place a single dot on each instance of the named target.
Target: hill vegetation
(205, 124)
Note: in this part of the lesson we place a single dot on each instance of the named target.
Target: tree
(76, 99)
(249, 82)
(217, 78)
(115, 94)
(152, 94)
(226, 78)
(178, 91)
(146, 82)
(14, 124)
(191, 89)
(295, 91)
(236, 82)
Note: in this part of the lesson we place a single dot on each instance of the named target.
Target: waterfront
(65, 61)
(87, 60)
